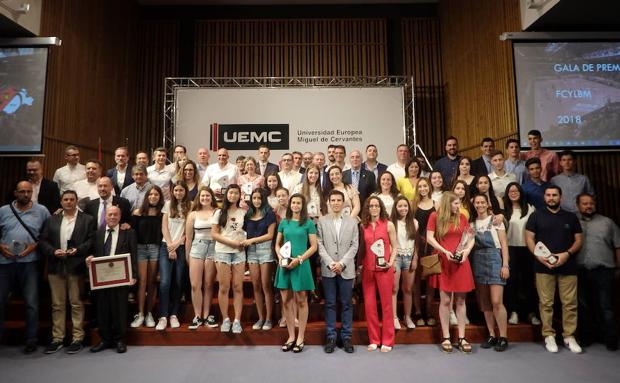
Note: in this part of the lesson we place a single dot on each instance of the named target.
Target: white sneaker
(236, 327)
(174, 322)
(161, 325)
(514, 318)
(138, 319)
(396, 324)
(534, 320)
(149, 321)
(572, 345)
(550, 344)
(453, 321)
(258, 325)
(225, 327)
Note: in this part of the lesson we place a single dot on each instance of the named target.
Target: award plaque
(112, 271)
(285, 252)
(540, 250)
(379, 250)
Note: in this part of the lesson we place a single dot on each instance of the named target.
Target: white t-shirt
(396, 170)
(516, 227)
(176, 226)
(218, 178)
(405, 245)
(482, 225)
(233, 230)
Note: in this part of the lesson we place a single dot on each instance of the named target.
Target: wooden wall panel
(290, 48)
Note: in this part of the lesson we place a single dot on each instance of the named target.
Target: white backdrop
(317, 117)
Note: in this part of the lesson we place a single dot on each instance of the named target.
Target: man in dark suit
(363, 180)
(112, 301)
(97, 208)
(48, 193)
(481, 166)
(66, 241)
(264, 166)
(372, 164)
(121, 173)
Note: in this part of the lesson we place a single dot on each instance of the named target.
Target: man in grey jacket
(338, 242)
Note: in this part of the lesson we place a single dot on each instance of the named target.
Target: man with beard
(560, 231)
(598, 262)
(447, 165)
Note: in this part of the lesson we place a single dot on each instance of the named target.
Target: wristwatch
(301, 260)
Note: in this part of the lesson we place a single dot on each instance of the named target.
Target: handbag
(430, 265)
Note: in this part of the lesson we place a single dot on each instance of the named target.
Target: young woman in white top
(230, 256)
(201, 247)
(172, 257)
(517, 212)
(406, 261)
(310, 188)
(352, 199)
(438, 186)
(387, 190)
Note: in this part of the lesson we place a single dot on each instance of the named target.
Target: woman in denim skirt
(490, 267)
(201, 248)
(260, 225)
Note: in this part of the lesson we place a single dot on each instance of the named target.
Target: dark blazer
(126, 243)
(367, 184)
(271, 168)
(478, 168)
(380, 167)
(92, 208)
(112, 173)
(83, 238)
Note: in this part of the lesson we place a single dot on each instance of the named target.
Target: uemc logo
(249, 136)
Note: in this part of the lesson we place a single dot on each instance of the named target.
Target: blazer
(113, 174)
(83, 238)
(49, 195)
(367, 184)
(270, 168)
(92, 208)
(333, 250)
(126, 243)
(478, 168)
(380, 167)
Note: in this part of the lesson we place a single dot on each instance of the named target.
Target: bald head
(104, 187)
(112, 216)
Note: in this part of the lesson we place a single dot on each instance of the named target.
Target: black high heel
(288, 346)
(299, 348)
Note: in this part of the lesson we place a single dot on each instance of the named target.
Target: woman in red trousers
(377, 275)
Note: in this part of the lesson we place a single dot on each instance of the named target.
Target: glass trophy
(467, 236)
(18, 247)
(285, 252)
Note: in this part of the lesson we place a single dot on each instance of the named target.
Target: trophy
(222, 184)
(313, 210)
(467, 235)
(285, 252)
(246, 188)
(379, 250)
(540, 250)
(18, 247)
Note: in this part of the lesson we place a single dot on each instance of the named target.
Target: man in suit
(98, 207)
(121, 173)
(45, 192)
(66, 241)
(338, 243)
(363, 180)
(112, 301)
(264, 166)
(372, 164)
(319, 160)
(481, 166)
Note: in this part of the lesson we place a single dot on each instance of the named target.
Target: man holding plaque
(559, 232)
(112, 301)
(21, 221)
(66, 241)
(338, 242)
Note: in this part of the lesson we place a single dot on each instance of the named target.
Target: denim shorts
(260, 253)
(148, 252)
(203, 249)
(230, 258)
(403, 262)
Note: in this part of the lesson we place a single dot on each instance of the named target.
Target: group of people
(314, 219)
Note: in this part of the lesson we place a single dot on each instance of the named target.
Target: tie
(262, 169)
(107, 246)
(102, 221)
(356, 179)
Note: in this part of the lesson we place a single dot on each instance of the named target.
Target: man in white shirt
(221, 174)
(402, 157)
(202, 161)
(289, 177)
(159, 174)
(86, 189)
(73, 171)
(307, 159)
(499, 177)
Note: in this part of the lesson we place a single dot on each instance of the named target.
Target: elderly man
(66, 241)
(45, 192)
(363, 180)
(73, 171)
(121, 173)
(21, 222)
(97, 208)
(220, 174)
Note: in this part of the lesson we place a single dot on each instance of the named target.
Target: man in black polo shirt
(560, 231)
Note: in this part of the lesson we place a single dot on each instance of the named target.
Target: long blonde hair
(445, 216)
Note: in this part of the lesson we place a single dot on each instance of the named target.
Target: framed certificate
(112, 271)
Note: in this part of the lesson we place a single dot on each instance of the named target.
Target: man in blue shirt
(534, 188)
(449, 164)
(21, 222)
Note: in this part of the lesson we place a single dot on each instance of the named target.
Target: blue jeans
(26, 276)
(343, 288)
(169, 302)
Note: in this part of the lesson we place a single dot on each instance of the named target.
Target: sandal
(299, 348)
(464, 346)
(288, 346)
(446, 345)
